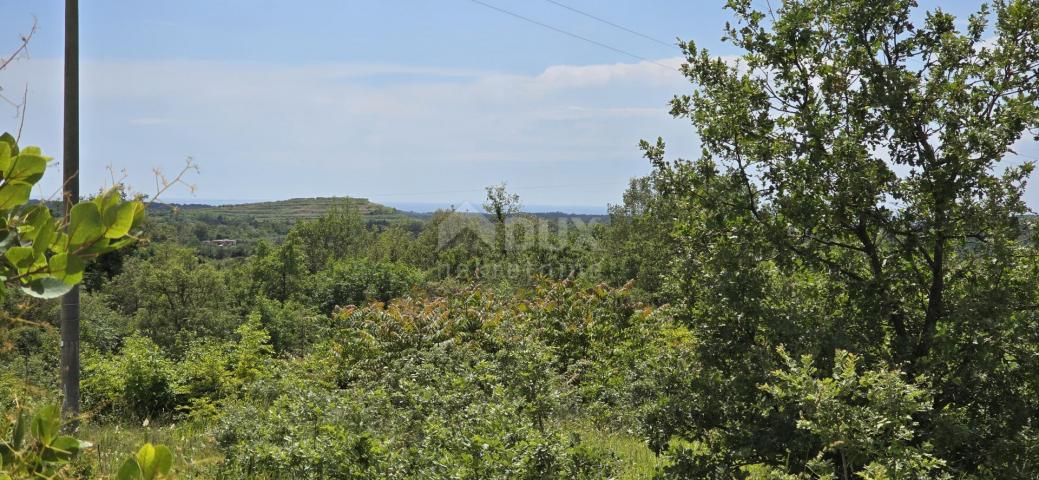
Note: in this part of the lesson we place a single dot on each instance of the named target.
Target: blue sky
(395, 100)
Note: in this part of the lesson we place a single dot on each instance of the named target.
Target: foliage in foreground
(46, 257)
(36, 448)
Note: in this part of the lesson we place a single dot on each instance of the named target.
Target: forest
(843, 285)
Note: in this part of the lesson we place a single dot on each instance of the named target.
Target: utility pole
(70, 192)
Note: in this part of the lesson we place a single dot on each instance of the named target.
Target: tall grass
(635, 461)
(194, 452)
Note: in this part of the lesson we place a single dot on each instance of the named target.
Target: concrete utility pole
(70, 192)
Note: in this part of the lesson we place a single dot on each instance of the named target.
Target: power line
(607, 22)
(571, 34)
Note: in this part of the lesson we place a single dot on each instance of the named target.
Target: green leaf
(116, 245)
(149, 463)
(138, 215)
(45, 424)
(27, 168)
(163, 460)
(11, 143)
(14, 194)
(107, 199)
(60, 243)
(20, 427)
(84, 224)
(5, 156)
(44, 238)
(37, 217)
(146, 460)
(21, 257)
(63, 447)
(38, 214)
(46, 288)
(119, 219)
(7, 238)
(96, 248)
(130, 470)
(67, 268)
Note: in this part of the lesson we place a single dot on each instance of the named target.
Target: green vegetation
(298, 209)
(843, 286)
(46, 256)
(197, 226)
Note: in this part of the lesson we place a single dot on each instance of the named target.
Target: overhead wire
(571, 34)
(607, 22)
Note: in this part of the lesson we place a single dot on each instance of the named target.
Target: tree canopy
(855, 193)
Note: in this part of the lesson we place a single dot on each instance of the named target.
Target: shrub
(203, 378)
(862, 421)
(28, 351)
(354, 282)
(139, 381)
(174, 298)
(211, 372)
(102, 327)
(462, 386)
(292, 326)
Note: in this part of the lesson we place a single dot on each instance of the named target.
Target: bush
(862, 421)
(434, 418)
(354, 282)
(203, 378)
(292, 326)
(102, 327)
(303, 433)
(461, 386)
(28, 351)
(139, 382)
(173, 297)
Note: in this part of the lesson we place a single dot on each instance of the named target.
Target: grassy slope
(297, 209)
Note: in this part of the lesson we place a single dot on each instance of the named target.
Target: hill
(293, 209)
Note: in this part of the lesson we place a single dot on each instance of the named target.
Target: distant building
(222, 242)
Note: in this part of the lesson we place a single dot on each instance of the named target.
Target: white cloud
(660, 72)
(357, 129)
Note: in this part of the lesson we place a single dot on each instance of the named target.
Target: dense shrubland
(843, 286)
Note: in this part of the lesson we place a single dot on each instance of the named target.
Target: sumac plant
(46, 255)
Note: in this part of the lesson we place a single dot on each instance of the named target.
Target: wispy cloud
(346, 129)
